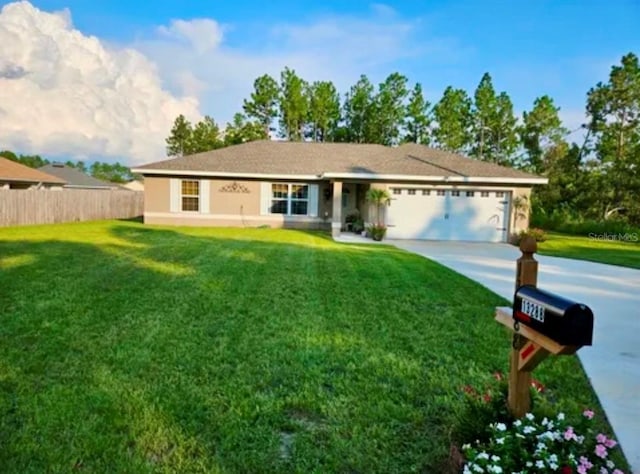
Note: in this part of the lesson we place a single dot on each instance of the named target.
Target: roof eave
(369, 176)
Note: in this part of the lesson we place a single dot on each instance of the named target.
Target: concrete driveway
(613, 293)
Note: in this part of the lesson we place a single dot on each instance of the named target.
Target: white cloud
(197, 58)
(64, 93)
(203, 34)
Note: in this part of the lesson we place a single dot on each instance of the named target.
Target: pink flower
(601, 438)
(569, 434)
(610, 443)
(582, 469)
(584, 462)
(617, 471)
(588, 414)
(601, 451)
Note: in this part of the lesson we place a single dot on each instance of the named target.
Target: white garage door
(448, 214)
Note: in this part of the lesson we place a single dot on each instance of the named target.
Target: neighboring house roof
(134, 185)
(11, 171)
(309, 160)
(75, 178)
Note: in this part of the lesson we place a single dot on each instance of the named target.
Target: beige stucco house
(435, 194)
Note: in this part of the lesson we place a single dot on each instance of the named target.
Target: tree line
(598, 178)
(110, 172)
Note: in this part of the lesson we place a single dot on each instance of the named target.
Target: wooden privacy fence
(43, 206)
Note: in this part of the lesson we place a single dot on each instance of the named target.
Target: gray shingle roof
(74, 177)
(317, 159)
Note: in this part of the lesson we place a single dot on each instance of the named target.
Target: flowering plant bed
(543, 445)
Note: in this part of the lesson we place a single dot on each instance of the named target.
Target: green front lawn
(613, 252)
(126, 348)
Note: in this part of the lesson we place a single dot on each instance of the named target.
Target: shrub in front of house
(377, 231)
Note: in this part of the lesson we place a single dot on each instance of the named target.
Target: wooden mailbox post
(535, 312)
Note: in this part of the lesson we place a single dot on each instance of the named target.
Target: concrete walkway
(613, 293)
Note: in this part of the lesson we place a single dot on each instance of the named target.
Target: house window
(470, 194)
(484, 194)
(499, 194)
(397, 191)
(426, 192)
(455, 193)
(289, 199)
(412, 192)
(190, 195)
(441, 192)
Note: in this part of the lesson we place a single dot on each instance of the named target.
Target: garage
(478, 215)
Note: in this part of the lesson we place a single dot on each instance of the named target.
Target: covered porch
(345, 204)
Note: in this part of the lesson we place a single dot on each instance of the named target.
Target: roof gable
(17, 172)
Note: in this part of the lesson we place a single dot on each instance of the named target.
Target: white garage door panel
(467, 216)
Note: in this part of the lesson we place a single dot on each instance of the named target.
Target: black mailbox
(566, 322)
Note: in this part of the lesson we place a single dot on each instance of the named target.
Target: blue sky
(530, 48)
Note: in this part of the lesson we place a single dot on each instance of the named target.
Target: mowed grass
(612, 252)
(128, 348)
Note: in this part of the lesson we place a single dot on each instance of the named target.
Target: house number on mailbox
(532, 310)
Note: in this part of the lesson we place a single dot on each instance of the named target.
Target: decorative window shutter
(265, 198)
(313, 200)
(205, 196)
(174, 195)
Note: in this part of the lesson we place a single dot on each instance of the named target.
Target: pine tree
(180, 137)
(264, 101)
(453, 117)
(418, 120)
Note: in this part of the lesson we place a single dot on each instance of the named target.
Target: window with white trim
(190, 195)
(484, 194)
(289, 199)
(455, 193)
(499, 194)
(411, 192)
(397, 191)
(426, 192)
(470, 194)
(441, 192)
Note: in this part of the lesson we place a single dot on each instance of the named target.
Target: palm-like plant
(379, 198)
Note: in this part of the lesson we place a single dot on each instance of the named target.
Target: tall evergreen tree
(293, 105)
(324, 110)
(494, 129)
(613, 110)
(485, 111)
(418, 121)
(359, 111)
(180, 137)
(541, 131)
(205, 136)
(241, 131)
(263, 105)
(389, 110)
(453, 116)
(504, 136)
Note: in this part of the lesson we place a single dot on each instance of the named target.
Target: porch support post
(336, 214)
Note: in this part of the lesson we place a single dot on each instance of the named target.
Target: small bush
(377, 231)
(358, 226)
(568, 223)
